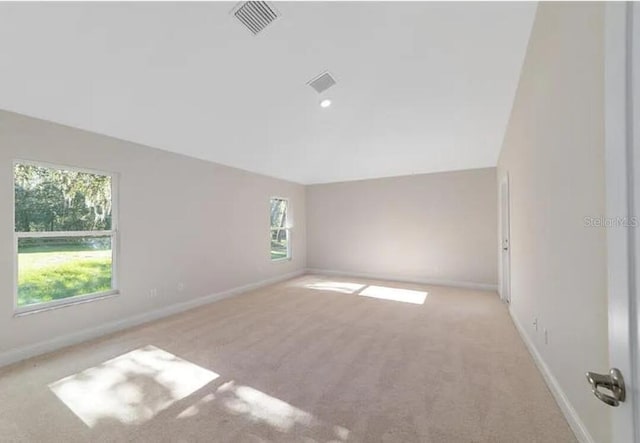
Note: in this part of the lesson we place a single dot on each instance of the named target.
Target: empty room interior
(319, 222)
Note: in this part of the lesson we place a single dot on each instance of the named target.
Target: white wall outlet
(535, 324)
(180, 287)
(153, 293)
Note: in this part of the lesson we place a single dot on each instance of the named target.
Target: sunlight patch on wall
(335, 286)
(131, 388)
(395, 294)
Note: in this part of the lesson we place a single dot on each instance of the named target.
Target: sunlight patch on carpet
(261, 407)
(335, 286)
(250, 406)
(131, 388)
(395, 294)
(194, 409)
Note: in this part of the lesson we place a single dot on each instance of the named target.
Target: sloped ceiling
(422, 87)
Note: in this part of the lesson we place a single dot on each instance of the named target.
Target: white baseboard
(576, 424)
(43, 347)
(424, 281)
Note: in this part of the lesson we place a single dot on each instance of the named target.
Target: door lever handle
(613, 382)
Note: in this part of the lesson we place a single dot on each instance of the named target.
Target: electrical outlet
(180, 287)
(546, 336)
(535, 324)
(153, 293)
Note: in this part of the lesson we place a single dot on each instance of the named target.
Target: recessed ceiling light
(325, 103)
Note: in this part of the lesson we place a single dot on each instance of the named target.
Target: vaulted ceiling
(422, 87)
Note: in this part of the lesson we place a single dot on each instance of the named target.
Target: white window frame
(287, 230)
(113, 233)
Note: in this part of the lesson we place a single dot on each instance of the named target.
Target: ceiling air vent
(322, 82)
(255, 15)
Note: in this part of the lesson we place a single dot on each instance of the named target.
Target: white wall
(554, 154)
(180, 220)
(438, 227)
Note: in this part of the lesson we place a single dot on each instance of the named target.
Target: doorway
(505, 245)
(622, 151)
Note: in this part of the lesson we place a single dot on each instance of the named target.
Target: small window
(280, 230)
(65, 235)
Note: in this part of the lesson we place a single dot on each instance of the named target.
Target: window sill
(72, 301)
(279, 260)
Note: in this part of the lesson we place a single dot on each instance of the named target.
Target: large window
(65, 235)
(280, 230)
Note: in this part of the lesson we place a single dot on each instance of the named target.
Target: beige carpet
(310, 360)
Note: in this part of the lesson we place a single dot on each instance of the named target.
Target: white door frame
(505, 265)
(622, 150)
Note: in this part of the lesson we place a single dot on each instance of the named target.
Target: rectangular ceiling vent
(322, 82)
(256, 16)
